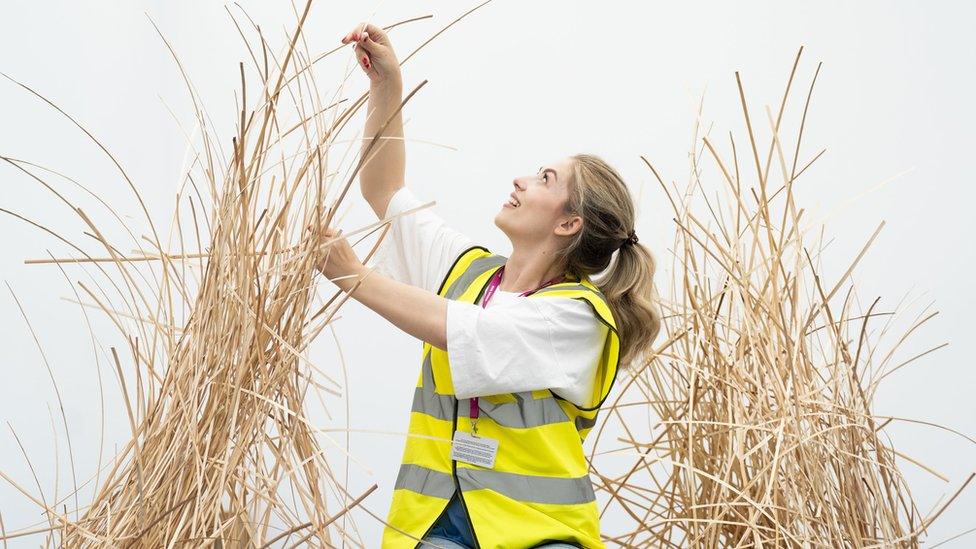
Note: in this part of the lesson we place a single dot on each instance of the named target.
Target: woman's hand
(374, 51)
(338, 260)
(414, 310)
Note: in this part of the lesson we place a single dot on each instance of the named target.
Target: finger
(376, 33)
(363, 57)
(353, 35)
(360, 30)
(350, 36)
(370, 45)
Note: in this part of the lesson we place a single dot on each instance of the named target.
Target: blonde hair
(599, 195)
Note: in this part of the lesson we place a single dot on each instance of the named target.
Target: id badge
(473, 449)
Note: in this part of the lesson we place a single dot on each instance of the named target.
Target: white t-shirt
(514, 344)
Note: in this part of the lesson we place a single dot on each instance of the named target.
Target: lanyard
(496, 279)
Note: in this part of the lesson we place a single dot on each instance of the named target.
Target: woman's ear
(569, 226)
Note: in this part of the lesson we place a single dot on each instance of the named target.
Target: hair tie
(630, 240)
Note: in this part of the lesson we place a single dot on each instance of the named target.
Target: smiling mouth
(513, 202)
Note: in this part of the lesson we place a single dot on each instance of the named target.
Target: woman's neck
(526, 270)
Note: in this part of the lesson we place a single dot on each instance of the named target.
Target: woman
(519, 352)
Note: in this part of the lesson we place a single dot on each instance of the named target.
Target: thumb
(377, 34)
(368, 44)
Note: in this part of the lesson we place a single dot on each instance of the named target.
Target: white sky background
(514, 86)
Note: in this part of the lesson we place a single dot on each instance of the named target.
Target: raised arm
(383, 173)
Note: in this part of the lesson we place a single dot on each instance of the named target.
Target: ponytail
(629, 288)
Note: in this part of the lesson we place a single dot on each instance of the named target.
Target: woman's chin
(500, 221)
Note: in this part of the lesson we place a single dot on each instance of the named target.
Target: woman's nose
(518, 184)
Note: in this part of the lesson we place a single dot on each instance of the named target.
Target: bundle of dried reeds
(759, 401)
(215, 373)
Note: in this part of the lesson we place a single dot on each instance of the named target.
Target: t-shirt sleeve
(525, 344)
(419, 248)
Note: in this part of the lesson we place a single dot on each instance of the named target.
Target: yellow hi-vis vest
(539, 490)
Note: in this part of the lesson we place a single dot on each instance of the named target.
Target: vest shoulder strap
(585, 290)
(468, 266)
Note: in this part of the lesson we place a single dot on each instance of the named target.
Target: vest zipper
(457, 483)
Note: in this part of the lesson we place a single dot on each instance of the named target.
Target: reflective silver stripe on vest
(435, 405)
(427, 372)
(426, 400)
(529, 488)
(525, 412)
(477, 268)
(585, 423)
(422, 480)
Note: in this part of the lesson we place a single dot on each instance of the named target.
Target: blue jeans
(443, 543)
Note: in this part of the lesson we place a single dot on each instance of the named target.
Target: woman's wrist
(348, 281)
(390, 88)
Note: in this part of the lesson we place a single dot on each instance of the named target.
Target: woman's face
(534, 211)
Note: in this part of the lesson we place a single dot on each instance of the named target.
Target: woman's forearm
(384, 170)
(414, 310)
